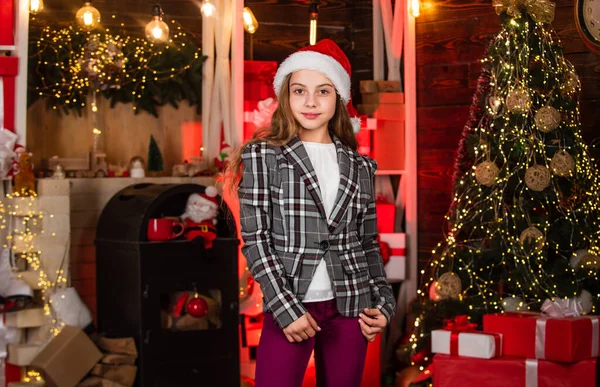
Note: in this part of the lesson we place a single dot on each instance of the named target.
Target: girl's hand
(301, 329)
(372, 322)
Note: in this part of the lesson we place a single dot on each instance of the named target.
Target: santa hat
(327, 58)
(210, 194)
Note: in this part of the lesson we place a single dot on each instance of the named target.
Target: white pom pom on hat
(210, 194)
(327, 58)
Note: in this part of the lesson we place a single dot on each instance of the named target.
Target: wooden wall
(283, 28)
(451, 37)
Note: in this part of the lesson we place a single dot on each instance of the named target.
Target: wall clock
(587, 20)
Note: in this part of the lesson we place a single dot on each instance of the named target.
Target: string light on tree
(157, 31)
(529, 232)
(88, 17)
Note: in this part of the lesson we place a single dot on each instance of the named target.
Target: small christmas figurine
(59, 172)
(136, 167)
(24, 179)
(222, 160)
(200, 216)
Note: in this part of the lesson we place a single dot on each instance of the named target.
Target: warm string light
(313, 11)
(479, 215)
(97, 62)
(36, 6)
(22, 241)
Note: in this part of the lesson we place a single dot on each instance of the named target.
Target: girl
(309, 227)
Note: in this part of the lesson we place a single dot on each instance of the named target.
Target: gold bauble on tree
(537, 177)
(547, 119)
(532, 235)
(518, 100)
(495, 103)
(570, 84)
(562, 164)
(486, 173)
(448, 285)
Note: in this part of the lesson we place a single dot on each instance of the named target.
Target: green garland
(67, 65)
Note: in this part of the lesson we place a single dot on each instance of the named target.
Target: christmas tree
(155, 159)
(523, 225)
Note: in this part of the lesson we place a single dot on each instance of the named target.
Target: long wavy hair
(284, 127)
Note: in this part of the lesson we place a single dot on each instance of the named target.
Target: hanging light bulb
(313, 10)
(157, 31)
(415, 8)
(36, 6)
(88, 17)
(207, 8)
(250, 22)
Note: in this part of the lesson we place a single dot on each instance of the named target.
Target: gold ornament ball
(532, 234)
(448, 286)
(562, 163)
(495, 103)
(570, 84)
(590, 262)
(547, 119)
(537, 177)
(486, 173)
(518, 100)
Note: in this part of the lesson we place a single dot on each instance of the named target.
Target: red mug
(163, 229)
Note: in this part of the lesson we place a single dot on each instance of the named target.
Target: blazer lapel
(295, 153)
(348, 184)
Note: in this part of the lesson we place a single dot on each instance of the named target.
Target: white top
(323, 158)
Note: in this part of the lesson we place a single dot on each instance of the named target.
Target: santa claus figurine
(199, 217)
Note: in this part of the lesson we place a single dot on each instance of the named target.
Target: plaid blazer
(286, 231)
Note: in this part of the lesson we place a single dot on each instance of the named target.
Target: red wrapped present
(9, 66)
(386, 215)
(7, 22)
(504, 371)
(364, 142)
(258, 79)
(394, 246)
(533, 335)
(459, 338)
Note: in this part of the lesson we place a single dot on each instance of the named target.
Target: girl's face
(312, 99)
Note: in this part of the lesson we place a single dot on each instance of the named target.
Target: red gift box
(258, 79)
(9, 66)
(386, 216)
(453, 371)
(533, 335)
(7, 22)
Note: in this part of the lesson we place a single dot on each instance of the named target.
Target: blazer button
(324, 245)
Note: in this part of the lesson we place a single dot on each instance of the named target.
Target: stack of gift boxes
(517, 349)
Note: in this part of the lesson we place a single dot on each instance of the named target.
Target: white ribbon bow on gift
(562, 308)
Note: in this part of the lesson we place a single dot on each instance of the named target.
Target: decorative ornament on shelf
(562, 164)
(486, 173)
(533, 235)
(513, 304)
(547, 119)
(157, 31)
(136, 167)
(518, 100)
(59, 172)
(200, 216)
(87, 17)
(155, 159)
(24, 179)
(224, 156)
(537, 177)
(448, 286)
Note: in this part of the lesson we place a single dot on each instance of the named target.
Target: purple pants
(340, 351)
